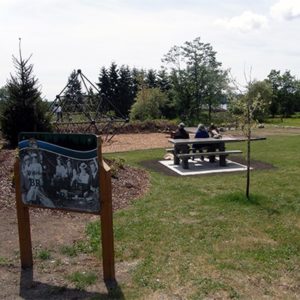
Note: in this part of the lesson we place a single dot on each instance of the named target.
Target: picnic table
(182, 149)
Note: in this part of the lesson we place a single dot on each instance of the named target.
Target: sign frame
(105, 214)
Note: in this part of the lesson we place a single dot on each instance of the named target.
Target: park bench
(184, 157)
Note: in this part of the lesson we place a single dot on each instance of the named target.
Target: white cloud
(247, 21)
(286, 9)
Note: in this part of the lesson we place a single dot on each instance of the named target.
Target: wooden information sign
(63, 172)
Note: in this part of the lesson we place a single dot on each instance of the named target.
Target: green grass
(76, 248)
(3, 261)
(43, 254)
(293, 121)
(200, 237)
(81, 280)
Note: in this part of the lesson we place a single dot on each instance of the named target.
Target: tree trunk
(209, 112)
(248, 153)
(248, 166)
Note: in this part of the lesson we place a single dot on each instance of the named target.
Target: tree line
(190, 84)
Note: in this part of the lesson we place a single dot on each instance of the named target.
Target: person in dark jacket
(201, 133)
(181, 133)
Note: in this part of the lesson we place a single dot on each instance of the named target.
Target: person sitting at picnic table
(214, 131)
(181, 133)
(202, 133)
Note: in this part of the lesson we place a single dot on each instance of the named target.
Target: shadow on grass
(254, 200)
(35, 290)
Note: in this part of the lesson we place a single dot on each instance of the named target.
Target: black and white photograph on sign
(51, 177)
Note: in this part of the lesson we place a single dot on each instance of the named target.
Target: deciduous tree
(250, 104)
(285, 93)
(148, 104)
(197, 77)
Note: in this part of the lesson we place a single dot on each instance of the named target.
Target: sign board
(60, 171)
(66, 172)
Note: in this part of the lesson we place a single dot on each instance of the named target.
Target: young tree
(23, 108)
(250, 104)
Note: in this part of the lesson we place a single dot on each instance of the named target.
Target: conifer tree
(126, 92)
(151, 80)
(104, 86)
(23, 108)
(114, 81)
(73, 94)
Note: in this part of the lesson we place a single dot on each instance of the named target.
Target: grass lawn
(198, 237)
(293, 121)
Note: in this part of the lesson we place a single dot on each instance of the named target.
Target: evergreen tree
(104, 86)
(113, 85)
(73, 94)
(126, 92)
(150, 79)
(23, 108)
(163, 81)
(3, 93)
(138, 80)
(3, 99)
(164, 84)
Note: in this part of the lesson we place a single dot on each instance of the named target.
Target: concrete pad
(198, 167)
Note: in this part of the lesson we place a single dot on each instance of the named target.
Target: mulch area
(128, 184)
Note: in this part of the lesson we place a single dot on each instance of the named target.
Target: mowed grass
(198, 237)
(293, 121)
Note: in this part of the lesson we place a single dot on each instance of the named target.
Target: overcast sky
(64, 35)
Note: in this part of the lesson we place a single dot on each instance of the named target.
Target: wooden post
(106, 214)
(23, 222)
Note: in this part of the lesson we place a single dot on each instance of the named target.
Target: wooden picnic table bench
(222, 156)
(183, 149)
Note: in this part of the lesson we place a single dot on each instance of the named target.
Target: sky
(250, 37)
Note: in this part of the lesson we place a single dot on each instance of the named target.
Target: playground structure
(88, 111)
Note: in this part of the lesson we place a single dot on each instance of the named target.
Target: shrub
(148, 105)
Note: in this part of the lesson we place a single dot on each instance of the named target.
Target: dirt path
(129, 142)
